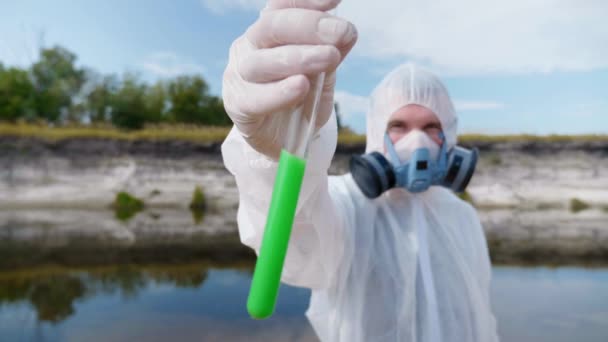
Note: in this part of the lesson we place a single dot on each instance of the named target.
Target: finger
(251, 101)
(318, 5)
(300, 26)
(267, 65)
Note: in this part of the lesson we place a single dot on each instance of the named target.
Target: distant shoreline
(181, 141)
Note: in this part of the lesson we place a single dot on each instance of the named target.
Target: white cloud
(350, 103)
(222, 6)
(477, 36)
(168, 64)
(477, 105)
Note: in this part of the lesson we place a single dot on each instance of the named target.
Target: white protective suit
(402, 267)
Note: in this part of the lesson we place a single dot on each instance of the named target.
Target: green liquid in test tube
(288, 182)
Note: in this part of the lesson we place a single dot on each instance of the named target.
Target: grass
(465, 196)
(533, 138)
(198, 199)
(198, 205)
(577, 205)
(351, 139)
(218, 134)
(126, 206)
(159, 132)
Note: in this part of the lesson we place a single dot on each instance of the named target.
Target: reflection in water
(153, 303)
(52, 292)
(197, 215)
(203, 301)
(53, 297)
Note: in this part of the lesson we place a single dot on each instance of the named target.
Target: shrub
(126, 206)
(577, 205)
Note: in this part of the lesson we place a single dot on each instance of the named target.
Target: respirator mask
(414, 168)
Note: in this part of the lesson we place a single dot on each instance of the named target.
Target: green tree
(188, 96)
(134, 103)
(156, 102)
(57, 80)
(98, 102)
(191, 102)
(16, 95)
(216, 113)
(128, 106)
(56, 90)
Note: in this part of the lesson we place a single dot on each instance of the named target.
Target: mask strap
(442, 137)
(391, 149)
(443, 155)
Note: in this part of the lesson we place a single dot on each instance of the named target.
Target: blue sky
(538, 66)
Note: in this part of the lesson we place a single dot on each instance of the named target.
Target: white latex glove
(272, 64)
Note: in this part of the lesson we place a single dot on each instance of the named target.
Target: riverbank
(540, 201)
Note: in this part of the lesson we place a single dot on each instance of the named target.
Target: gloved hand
(272, 64)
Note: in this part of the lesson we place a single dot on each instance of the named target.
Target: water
(203, 302)
(545, 304)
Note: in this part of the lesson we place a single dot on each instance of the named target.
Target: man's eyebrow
(433, 124)
(395, 122)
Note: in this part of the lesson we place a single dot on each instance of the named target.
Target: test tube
(288, 182)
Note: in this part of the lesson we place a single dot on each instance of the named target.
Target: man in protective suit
(401, 267)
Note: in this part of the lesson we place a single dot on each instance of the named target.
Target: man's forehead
(413, 112)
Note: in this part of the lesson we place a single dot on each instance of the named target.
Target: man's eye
(396, 128)
(395, 124)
